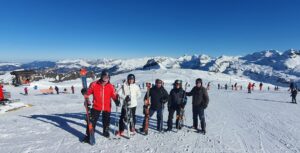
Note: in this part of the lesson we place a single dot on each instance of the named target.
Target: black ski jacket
(158, 97)
(177, 98)
(200, 97)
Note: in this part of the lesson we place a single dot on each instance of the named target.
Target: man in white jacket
(129, 95)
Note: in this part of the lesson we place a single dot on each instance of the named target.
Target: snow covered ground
(236, 121)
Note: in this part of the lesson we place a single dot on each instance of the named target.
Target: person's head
(105, 76)
(158, 83)
(198, 82)
(130, 79)
(177, 84)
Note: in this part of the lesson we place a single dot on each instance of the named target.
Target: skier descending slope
(102, 91)
(177, 102)
(294, 95)
(199, 102)
(129, 94)
(158, 97)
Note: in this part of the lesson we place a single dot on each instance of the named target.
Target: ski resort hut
(23, 77)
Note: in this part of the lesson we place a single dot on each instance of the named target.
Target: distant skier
(268, 88)
(1, 92)
(129, 94)
(226, 86)
(253, 85)
(158, 97)
(235, 86)
(219, 86)
(102, 91)
(25, 91)
(294, 95)
(260, 86)
(177, 101)
(249, 87)
(73, 89)
(200, 102)
(56, 89)
(51, 90)
(208, 86)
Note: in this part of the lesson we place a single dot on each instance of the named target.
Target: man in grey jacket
(200, 102)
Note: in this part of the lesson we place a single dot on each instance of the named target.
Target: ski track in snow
(237, 122)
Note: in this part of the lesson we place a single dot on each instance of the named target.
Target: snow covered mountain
(269, 66)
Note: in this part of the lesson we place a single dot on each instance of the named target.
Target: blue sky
(59, 29)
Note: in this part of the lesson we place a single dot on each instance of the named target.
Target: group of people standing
(129, 93)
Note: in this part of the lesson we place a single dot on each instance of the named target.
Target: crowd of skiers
(250, 87)
(65, 90)
(127, 96)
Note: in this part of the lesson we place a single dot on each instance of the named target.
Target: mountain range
(270, 66)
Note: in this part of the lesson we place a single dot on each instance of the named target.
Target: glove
(127, 98)
(83, 91)
(162, 100)
(205, 106)
(182, 106)
(118, 103)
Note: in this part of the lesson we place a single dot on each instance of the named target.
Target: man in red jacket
(1, 93)
(102, 91)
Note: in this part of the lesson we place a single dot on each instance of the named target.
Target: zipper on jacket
(102, 97)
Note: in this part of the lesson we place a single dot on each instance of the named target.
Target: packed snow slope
(237, 122)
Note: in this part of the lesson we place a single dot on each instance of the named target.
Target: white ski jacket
(133, 91)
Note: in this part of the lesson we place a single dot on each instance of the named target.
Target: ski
(147, 109)
(128, 117)
(181, 116)
(8, 101)
(91, 136)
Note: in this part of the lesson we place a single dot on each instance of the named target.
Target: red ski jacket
(102, 95)
(1, 93)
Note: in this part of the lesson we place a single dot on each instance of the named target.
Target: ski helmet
(104, 73)
(131, 76)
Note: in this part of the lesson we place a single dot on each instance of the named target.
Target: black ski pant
(294, 99)
(199, 112)
(95, 114)
(123, 118)
(172, 110)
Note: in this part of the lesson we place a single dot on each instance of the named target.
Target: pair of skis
(181, 116)
(128, 117)
(147, 109)
(90, 128)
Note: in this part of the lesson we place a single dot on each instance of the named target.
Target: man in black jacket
(177, 101)
(200, 102)
(158, 97)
